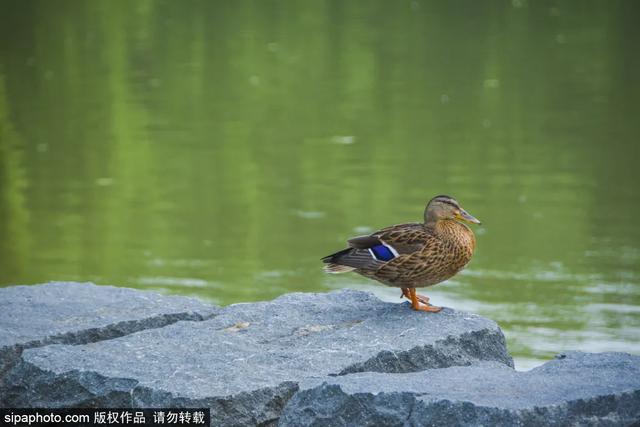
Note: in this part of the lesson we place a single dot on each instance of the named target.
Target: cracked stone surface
(577, 389)
(247, 361)
(78, 313)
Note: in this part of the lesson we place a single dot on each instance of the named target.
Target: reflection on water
(220, 150)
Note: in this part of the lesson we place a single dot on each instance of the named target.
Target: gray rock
(79, 313)
(576, 389)
(247, 361)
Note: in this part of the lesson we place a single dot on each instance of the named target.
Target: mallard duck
(414, 255)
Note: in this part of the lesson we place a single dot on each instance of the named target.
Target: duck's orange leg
(415, 303)
(422, 298)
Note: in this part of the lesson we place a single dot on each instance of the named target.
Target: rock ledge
(336, 358)
(247, 360)
(80, 313)
(577, 389)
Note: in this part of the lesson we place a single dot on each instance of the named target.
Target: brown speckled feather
(446, 249)
(405, 238)
(412, 255)
(427, 254)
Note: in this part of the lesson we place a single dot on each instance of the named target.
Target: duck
(412, 255)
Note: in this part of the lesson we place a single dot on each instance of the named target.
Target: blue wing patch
(382, 253)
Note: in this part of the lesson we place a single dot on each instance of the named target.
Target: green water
(219, 149)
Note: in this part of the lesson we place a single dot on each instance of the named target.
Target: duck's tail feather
(335, 256)
(332, 265)
(350, 259)
(337, 268)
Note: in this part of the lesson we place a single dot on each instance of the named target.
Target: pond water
(220, 150)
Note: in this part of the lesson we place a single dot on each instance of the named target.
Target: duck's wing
(369, 253)
(403, 238)
(425, 262)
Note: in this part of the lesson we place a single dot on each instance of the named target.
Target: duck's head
(446, 207)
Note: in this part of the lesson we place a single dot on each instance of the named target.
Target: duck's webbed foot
(422, 298)
(420, 303)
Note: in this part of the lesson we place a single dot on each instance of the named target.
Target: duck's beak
(466, 217)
